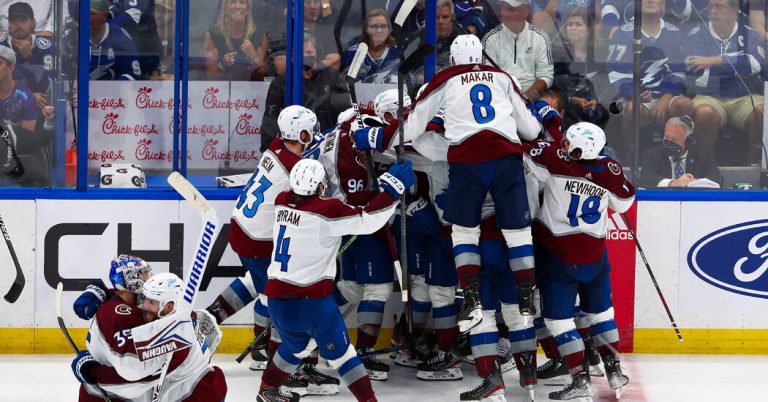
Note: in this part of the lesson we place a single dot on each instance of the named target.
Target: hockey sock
(313, 358)
(484, 339)
(545, 339)
(420, 315)
(466, 252)
(446, 330)
(362, 389)
(369, 316)
(501, 325)
(273, 376)
(522, 337)
(605, 333)
(569, 343)
(520, 249)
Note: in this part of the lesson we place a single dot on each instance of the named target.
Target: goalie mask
(128, 273)
(466, 49)
(306, 175)
(584, 141)
(295, 119)
(158, 291)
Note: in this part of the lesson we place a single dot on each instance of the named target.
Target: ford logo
(734, 258)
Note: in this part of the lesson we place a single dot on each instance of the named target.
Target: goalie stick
(18, 284)
(63, 327)
(206, 238)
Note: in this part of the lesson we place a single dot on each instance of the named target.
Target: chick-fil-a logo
(111, 126)
(243, 126)
(734, 258)
(106, 103)
(145, 101)
(211, 101)
(106, 155)
(210, 153)
(245, 156)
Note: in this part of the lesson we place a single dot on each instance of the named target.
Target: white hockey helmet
(585, 141)
(306, 175)
(387, 102)
(466, 49)
(164, 287)
(295, 119)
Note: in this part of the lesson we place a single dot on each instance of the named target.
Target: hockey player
(485, 116)
(367, 273)
(300, 285)
(251, 224)
(578, 185)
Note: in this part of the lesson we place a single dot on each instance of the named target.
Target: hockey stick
(252, 346)
(653, 278)
(206, 238)
(375, 352)
(63, 327)
(18, 284)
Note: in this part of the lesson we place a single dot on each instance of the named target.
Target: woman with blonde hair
(235, 48)
(381, 62)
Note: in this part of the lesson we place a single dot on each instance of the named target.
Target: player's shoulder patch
(614, 168)
(628, 27)
(670, 26)
(123, 309)
(43, 43)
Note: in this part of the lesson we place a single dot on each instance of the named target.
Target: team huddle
(505, 221)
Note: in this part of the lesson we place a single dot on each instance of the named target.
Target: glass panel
(130, 106)
(34, 95)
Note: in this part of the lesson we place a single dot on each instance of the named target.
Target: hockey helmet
(127, 273)
(306, 175)
(295, 119)
(164, 288)
(466, 49)
(584, 141)
(387, 102)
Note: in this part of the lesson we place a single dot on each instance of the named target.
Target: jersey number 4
(480, 95)
(590, 210)
(281, 249)
(263, 185)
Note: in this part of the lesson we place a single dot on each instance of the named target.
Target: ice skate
(551, 369)
(471, 313)
(490, 390)
(377, 370)
(276, 395)
(441, 366)
(260, 359)
(506, 361)
(579, 388)
(526, 367)
(616, 379)
(527, 305)
(319, 383)
(296, 384)
(592, 358)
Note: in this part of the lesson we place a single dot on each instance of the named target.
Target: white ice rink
(697, 378)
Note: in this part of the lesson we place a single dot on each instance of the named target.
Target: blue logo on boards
(734, 258)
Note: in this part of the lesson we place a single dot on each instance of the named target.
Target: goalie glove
(88, 302)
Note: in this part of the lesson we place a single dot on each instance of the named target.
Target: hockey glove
(422, 218)
(398, 179)
(82, 366)
(88, 302)
(369, 138)
(543, 111)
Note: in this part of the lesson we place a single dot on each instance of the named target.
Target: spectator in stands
(678, 162)
(381, 62)
(30, 130)
(137, 17)
(34, 53)
(575, 65)
(445, 31)
(323, 30)
(662, 71)
(324, 91)
(757, 21)
(113, 56)
(235, 46)
(726, 62)
(616, 13)
(45, 12)
(521, 49)
(550, 15)
(165, 16)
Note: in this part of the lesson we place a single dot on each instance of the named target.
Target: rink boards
(709, 259)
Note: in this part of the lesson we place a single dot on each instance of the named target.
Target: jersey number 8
(481, 98)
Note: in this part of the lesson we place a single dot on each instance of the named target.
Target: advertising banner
(621, 255)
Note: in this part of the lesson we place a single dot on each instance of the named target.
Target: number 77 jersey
(572, 221)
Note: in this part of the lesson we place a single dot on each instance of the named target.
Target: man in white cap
(521, 49)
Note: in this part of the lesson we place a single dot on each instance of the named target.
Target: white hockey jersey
(254, 213)
(485, 113)
(307, 237)
(572, 222)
